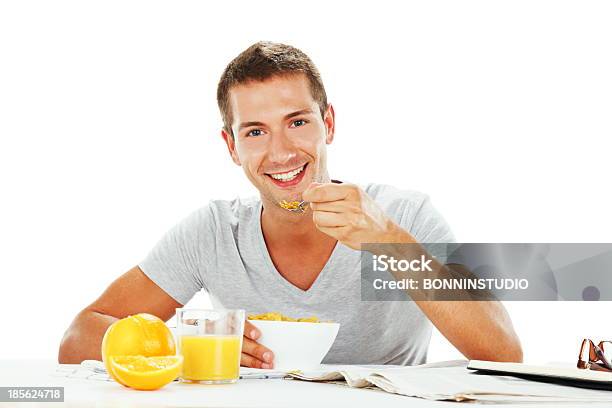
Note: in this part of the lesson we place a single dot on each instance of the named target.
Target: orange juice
(210, 357)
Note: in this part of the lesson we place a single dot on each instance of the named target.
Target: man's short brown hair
(264, 60)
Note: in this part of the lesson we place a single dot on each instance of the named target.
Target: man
(256, 255)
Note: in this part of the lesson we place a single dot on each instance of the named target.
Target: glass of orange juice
(210, 342)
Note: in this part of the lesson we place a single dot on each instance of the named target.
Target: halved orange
(142, 334)
(146, 373)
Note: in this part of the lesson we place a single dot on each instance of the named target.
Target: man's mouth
(289, 178)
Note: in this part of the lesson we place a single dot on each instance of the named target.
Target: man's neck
(280, 227)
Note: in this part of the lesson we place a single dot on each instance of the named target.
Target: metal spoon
(300, 208)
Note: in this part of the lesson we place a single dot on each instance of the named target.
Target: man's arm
(131, 293)
(479, 329)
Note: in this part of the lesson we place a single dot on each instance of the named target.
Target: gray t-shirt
(220, 248)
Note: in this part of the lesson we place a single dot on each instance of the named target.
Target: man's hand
(254, 354)
(346, 213)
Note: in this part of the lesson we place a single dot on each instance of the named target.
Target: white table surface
(245, 393)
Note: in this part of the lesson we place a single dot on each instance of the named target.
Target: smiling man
(256, 255)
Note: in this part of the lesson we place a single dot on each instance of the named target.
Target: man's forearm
(481, 330)
(83, 339)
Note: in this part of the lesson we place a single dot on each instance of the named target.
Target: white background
(500, 111)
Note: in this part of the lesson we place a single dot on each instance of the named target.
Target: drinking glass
(210, 342)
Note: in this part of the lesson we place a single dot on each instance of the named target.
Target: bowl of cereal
(297, 343)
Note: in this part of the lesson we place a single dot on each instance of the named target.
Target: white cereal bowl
(296, 345)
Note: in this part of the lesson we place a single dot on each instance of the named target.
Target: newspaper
(450, 380)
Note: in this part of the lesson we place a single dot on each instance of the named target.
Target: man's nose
(281, 148)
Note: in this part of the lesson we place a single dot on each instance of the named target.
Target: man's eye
(298, 123)
(254, 132)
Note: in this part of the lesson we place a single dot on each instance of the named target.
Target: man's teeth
(287, 176)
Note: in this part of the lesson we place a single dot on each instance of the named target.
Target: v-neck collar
(284, 282)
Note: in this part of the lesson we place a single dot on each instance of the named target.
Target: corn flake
(275, 316)
(289, 205)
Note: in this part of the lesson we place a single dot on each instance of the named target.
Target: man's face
(280, 137)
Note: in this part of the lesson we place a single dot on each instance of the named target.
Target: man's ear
(231, 146)
(330, 123)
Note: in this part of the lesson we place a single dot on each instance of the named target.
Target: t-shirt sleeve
(431, 230)
(177, 262)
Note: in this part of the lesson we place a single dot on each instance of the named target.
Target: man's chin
(293, 193)
(289, 198)
(283, 196)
